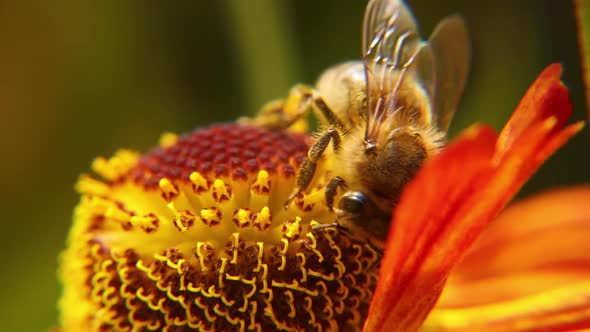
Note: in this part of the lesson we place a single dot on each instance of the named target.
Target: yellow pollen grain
(198, 181)
(252, 316)
(147, 223)
(168, 139)
(113, 212)
(260, 246)
(242, 217)
(293, 228)
(220, 191)
(283, 254)
(116, 166)
(327, 277)
(222, 271)
(176, 266)
(210, 216)
(184, 220)
(168, 189)
(262, 220)
(262, 183)
(236, 244)
(313, 247)
(90, 186)
(177, 221)
(201, 255)
(302, 268)
(101, 166)
(290, 301)
(161, 258)
(126, 158)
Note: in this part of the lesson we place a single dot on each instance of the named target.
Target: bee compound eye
(354, 202)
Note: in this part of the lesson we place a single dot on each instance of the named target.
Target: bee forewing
(389, 32)
(390, 43)
(450, 46)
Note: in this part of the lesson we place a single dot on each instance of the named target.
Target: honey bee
(383, 115)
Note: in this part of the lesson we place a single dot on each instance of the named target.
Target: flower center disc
(194, 236)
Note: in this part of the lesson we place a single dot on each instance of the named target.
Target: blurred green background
(80, 79)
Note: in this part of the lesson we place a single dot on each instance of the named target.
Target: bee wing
(450, 45)
(392, 49)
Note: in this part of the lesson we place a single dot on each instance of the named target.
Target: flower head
(193, 235)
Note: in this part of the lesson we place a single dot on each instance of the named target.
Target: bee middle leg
(331, 189)
(308, 167)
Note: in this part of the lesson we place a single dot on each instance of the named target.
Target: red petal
(544, 98)
(534, 245)
(409, 285)
(530, 270)
(557, 309)
(445, 208)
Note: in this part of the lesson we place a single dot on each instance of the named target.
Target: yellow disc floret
(194, 236)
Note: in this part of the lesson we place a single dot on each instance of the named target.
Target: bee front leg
(308, 167)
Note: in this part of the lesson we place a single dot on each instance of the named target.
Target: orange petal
(535, 245)
(530, 271)
(558, 309)
(409, 284)
(543, 99)
(445, 208)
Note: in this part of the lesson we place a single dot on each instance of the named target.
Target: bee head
(395, 163)
(358, 213)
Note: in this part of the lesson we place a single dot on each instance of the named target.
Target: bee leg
(331, 188)
(327, 113)
(334, 225)
(378, 250)
(282, 114)
(308, 167)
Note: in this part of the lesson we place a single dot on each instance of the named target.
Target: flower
(193, 235)
(450, 202)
